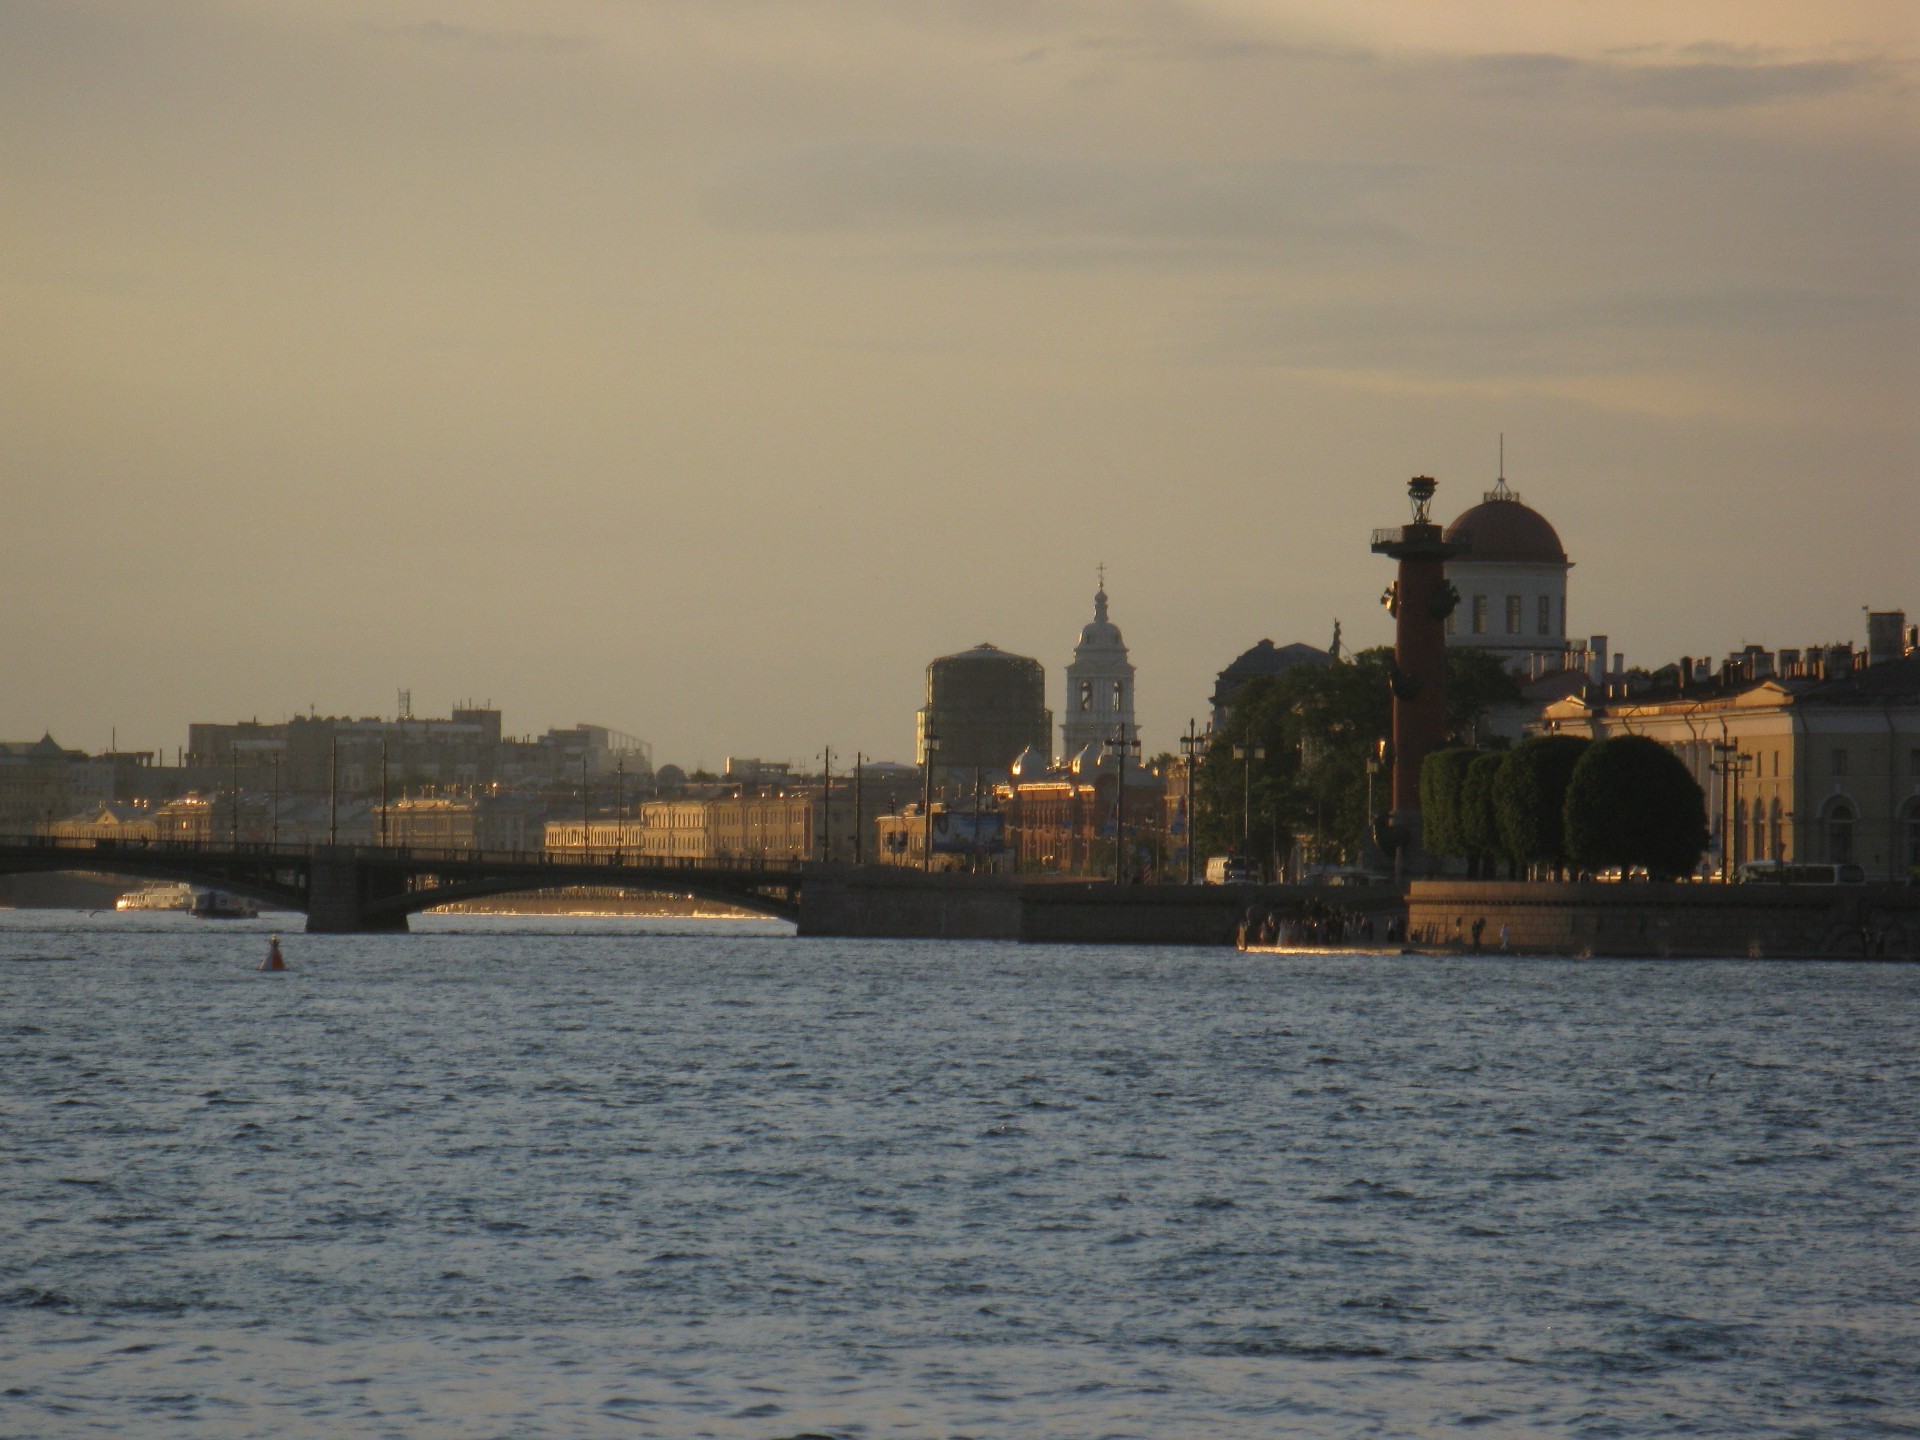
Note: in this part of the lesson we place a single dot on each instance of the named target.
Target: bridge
(356, 889)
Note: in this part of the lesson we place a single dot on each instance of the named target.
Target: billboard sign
(961, 832)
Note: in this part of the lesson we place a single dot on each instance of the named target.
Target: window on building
(1840, 833)
(1479, 614)
(1563, 614)
(1778, 849)
(1545, 618)
(1840, 761)
(1120, 695)
(1513, 614)
(1086, 694)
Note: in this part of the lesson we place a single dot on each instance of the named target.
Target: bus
(1776, 872)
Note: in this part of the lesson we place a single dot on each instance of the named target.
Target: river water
(550, 1177)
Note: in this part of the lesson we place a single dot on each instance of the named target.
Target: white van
(1232, 870)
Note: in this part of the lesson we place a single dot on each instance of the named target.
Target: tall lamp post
(1374, 762)
(930, 746)
(1248, 754)
(1119, 741)
(1192, 744)
(826, 802)
(1730, 763)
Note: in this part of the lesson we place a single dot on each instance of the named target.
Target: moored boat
(165, 896)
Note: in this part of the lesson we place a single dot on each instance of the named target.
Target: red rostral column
(1420, 601)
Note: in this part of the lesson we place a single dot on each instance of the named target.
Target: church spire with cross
(1099, 699)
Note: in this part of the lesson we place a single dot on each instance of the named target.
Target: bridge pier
(339, 887)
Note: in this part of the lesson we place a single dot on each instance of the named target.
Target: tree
(1479, 829)
(1477, 681)
(1442, 777)
(1530, 798)
(1319, 724)
(1631, 802)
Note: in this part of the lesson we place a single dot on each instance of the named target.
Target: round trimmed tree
(1630, 801)
(1530, 798)
(1442, 775)
(1479, 828)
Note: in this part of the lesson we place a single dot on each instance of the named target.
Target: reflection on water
(546, 1176)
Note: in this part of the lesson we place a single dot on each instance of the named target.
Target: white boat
(166, 896)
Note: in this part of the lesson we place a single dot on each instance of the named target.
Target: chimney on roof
(1885, 631)
(1597, 660)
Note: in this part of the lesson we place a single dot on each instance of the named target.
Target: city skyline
(705, 371)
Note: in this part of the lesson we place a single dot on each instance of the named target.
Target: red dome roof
(1502, 530)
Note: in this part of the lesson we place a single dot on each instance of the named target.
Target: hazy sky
(704, 367)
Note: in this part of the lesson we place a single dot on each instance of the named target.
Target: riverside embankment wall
(892, 903)
(1638, 919)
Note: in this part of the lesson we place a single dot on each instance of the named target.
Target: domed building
(986, 707)
(1099, 685)
(1511, 572)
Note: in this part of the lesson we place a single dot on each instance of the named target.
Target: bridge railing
(607, 858)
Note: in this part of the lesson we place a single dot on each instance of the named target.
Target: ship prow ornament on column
(1420, 599)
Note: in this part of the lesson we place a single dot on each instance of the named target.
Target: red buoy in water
(273, 960)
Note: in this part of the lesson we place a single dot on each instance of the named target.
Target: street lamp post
(1192, 744)
(859, 825)
(826, 802)
(383, 792)
(1374, 762)
(1247, 754)
(1730, 764)
(930, 745)
(1119, 741)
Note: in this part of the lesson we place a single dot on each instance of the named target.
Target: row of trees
(1557, 802)
(1318, 726)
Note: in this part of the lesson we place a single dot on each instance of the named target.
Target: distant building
(1264, 661)
(985, 706)
(1511, 574)
(35, 783)
(316, 754)
(1804, 755)
(1099, 700)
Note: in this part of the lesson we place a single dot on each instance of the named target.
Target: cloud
(1717, 85)
(1434, 337)
(439, 32)
(1713, 77)
(1107, 210)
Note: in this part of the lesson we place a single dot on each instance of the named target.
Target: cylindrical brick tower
(1420, 601)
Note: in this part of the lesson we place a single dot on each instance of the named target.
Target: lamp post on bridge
(1192, 744)
(930, 747)
(1119, 741)
(826, 802)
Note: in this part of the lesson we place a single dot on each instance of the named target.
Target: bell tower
(1099, 699)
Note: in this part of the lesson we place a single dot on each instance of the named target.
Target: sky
(703, 368)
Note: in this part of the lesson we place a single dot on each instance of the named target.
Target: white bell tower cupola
(1099, 699)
